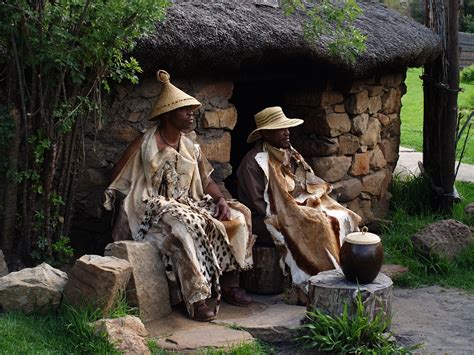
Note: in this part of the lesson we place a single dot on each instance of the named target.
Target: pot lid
(362, 238)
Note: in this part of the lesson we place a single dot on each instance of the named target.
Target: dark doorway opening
(250, 97)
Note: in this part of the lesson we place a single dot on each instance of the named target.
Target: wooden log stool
(266, 276)
(329, 291)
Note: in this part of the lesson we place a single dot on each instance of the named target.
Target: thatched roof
(231, 36)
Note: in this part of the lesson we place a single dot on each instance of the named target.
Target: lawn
(412, 114)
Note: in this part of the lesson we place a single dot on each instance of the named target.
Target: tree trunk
(441, 85)
(329, 291)
(11, 190)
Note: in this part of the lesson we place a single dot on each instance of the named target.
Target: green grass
(412, 114)
(63, 332)
(409, 215)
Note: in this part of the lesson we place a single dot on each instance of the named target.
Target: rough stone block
(357, 86)
(391, 101)
(348, 144)
(3, 265)
(316, 146)
(331, 169)
(360, 164)
(447, 238)
(359, 124)
(148, 286)
(346, 190)
(221, 171)
(357, 103)
(375, 90)
(222, 89)
(32, 289)
(134, 116)
(220, 118)
(339, 108)
(389, 148)
(216, 149)
(337, 124)
(384, 119)
(375, 104)
(362, 207)
(377, 159)
(127, 334)
(373, 183)
(329, 98)
(372, 135)
(97, 280)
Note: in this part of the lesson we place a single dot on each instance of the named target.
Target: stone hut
(238, 57)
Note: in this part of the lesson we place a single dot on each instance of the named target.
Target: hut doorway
(249, 97)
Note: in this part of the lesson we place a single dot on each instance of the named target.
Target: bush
(467, 74)
(345, 334)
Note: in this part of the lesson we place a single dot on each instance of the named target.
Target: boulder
(391, 101)
(445, 238)
(33, 289)
(127, 334)
(329, 98)
(3, 265)
(375, 104)
(148, 286)
(97, 280)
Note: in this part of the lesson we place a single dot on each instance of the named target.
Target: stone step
(267, 319)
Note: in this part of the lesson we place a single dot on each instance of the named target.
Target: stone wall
(351, 138)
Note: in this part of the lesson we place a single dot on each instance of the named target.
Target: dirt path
(442, 319)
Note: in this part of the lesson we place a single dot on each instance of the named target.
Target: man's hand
(222, 211)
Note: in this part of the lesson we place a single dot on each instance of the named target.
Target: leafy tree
(466, 20)
(57, 57)
(334, 20)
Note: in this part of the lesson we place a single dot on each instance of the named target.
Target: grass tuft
(409, 214)
(353, 334)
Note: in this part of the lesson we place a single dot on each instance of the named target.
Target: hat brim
(156, 115)
(288, 123)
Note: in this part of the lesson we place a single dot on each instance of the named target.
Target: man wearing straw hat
(289, 202)
(171, 200)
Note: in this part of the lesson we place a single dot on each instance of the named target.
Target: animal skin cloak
(304, 222)
(165, 203)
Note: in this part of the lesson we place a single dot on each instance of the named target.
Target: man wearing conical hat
(171, 200)
(289, 203)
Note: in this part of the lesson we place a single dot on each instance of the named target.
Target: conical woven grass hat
(170, 97)
(271, 118)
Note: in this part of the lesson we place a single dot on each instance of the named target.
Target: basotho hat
(170, 97)
(271, 118)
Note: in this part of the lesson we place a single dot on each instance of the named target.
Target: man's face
(182, 118)
(279, 138)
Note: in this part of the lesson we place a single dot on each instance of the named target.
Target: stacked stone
(215, 123)
(351, 139)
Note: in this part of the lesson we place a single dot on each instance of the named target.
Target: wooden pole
(441, 85)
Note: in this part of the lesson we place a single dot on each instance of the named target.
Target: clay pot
(361, 256)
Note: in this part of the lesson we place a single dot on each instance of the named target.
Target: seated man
(281, 190)
(171, 199)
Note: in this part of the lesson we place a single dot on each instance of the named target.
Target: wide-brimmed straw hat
(271, 118)
(170, 97)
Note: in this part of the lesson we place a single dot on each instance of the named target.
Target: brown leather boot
(236, 296)
(202, 312)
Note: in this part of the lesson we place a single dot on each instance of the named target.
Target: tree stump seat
(329, 291)
(266, 276)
